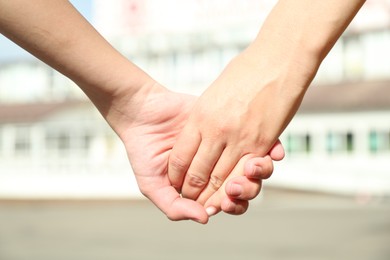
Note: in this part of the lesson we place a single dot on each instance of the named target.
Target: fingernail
(211, 211)
(235, 190)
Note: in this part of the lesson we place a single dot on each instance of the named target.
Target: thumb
(168, 200)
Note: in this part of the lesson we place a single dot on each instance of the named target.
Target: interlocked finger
(181, 156)
(198, 174)
(221, 171)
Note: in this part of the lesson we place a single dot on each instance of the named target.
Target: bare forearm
(56, 33)
(298, 34)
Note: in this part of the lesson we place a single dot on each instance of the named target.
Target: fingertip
(258, 168)
(277, 151)
(233, 189)
(234, 207)
(185, 209)
(213, 205)
(249, 187)
(175, 207)
(211, 211)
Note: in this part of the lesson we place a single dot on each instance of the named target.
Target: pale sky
(9, 51)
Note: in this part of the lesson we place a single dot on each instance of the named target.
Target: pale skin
(257, 94)
(145, 115)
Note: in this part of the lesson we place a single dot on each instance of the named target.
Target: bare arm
(56, 33)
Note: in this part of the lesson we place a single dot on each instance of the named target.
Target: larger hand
(240, 114)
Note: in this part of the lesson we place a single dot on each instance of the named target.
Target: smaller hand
(149, 137)
(237, 190)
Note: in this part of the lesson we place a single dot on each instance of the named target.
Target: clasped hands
(192, 158)
(195, 157)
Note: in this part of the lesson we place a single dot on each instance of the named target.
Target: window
(349, 142)
(22, 144)
(379, 141)
(376, 54)
(85, 142)
(58, 142)
(298, 143)
(353, 57)
(67, 143)
(1, 140)
(340, 142)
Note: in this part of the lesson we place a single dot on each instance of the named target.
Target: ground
(280, 225)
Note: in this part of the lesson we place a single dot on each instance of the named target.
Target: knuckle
(178, 164)
(215, 182)
(194, 180)
(224, 129)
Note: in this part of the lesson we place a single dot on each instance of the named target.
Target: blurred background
(67, 190)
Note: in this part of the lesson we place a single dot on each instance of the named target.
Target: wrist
(292, 72)
(116, 87)
(277, 84)
(123, 110)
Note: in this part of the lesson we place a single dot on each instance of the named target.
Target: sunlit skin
(149, 139)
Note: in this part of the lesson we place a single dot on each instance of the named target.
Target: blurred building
(61, 149)
(53, 142)
(339, 141)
